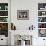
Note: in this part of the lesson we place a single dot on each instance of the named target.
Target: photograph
(23, 14)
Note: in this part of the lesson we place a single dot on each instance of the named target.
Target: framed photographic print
(23, 14)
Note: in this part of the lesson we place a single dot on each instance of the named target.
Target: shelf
(41, 28)
(4, 19)
(3, 13)
(3, 22)
(42, 16)
(3, 16)
(3, 10)
(41, 22)
(42, 19)
(41, 10)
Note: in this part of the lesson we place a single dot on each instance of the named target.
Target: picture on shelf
(42, 33)
(6, 7)
(41, 25)
(3, 19)
(41, 19)
(23, 14)
(4, 29)
(3, 26)
(3, 6)
(3, 13)
(41, 6)
(41, 13)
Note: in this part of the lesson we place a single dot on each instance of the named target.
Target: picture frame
(42, 33)
(23, 14)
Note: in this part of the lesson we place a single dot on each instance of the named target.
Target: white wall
(21, 5)
(32, 6)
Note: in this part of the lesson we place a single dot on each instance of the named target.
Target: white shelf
(3, 22)
(3, 10)
(41, 10)
(41, 22)
(41, 28)
(3, 16)
(42, 16)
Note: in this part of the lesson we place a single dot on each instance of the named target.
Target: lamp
(26, 40)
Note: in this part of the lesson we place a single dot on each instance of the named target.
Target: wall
(32, 6)
(21, 5)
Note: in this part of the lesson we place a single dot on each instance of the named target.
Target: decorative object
(23, 40)
(13, 27)
(3, 6)
(43, 13)
(31, 27)
(42, 19)
(23, 14)
(42, 32)
(41, 6)
(4, 29)
(6, 7)
(3, 19)
(3, 13)
(0, 7)
(41, 25)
